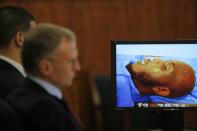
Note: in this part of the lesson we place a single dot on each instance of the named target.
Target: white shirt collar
(15, 64)
(48, 87)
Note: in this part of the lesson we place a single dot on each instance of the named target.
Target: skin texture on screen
(169, 78)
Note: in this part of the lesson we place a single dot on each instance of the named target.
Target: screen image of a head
(160, 73)
(167, 78)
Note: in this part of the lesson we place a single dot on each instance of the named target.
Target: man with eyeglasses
(50, 59)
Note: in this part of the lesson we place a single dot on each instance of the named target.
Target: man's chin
(69, 83)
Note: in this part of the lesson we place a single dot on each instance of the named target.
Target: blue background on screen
(176, 50)
(126, 92)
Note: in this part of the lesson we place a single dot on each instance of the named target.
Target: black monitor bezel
(113, 72)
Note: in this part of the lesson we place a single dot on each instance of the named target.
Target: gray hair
(41, 42)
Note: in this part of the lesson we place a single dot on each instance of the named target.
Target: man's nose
(77, 66)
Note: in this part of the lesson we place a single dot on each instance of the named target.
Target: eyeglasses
(68, 62)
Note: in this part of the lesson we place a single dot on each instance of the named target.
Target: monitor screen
(155, 74)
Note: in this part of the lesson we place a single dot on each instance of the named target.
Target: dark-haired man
(15, 21)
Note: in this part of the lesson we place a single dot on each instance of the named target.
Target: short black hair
(13, 19)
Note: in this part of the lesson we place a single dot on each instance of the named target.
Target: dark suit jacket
(10, 78)
(41, 111)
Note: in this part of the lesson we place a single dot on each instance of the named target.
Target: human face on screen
(168, 78)
(154, 71)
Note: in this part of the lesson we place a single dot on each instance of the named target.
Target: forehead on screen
(173, 50)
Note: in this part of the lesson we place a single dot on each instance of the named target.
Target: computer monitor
(157, 75)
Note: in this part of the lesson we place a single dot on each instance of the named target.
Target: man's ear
(161, 91)
(45, 67)
(19, 39)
